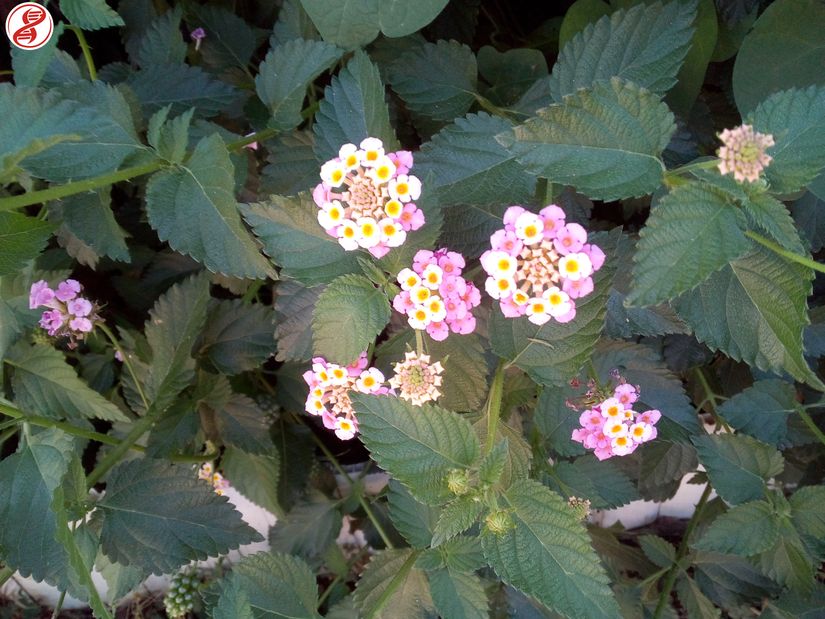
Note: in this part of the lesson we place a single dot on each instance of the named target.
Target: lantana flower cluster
(538, 265)
(208, 473)
(435, 297)
(329, 386)
(416, 379)
(68, 313)
(744, 153)
(366, 197)
(612, 428)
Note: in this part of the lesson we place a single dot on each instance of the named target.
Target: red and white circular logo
(29, 26)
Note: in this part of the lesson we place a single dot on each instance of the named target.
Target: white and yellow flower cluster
(366, 197)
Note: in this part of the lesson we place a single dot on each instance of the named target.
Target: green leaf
(458, 595)
(663, 466)
(658, 550)
(391, 587)
(28, 480)
(556, 421)
(289, 231)
(293, 327)
(492, 465)
(193, 207)
(691, 76)
(738, 466)
(350, 313)
(161, 43)
(456, 517)
(285, 74)
(233, 603)
(792, 605)
(770, 215)
(731, 580)
(744, 530)
(292, 166)
(87, 133)
(459, 554)
(159, 517)
(308, 529)
(398, 18)
(237, 336)
(809, 216)
(30, 65)
(692, 232)
(278, 586)
(552, 353)
(788, 562)
(754, 310)
(470, 167)
(170, 138)
(547, 554)
(605, 140)
(578, 16)
(807, 515)
(413, 519)
(762, 411)
(511, 73)
(660, 388)
(645, 44)
(89, 218)
(240, 422)
(349, 24)
(784, 50)
(418, 445)
(436, 80)
(694, 601)
(182, 86)
(231, 40)
(354, 107)
(602, 483)
(90, 14)
(466, 368)
(796, 119)
(45, 384)
(174, 323)
(256, 476)
(22, 239)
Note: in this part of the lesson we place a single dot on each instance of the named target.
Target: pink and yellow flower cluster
(435, 297)
(367, 197)
(68, 313)
(538, 265)
(208, 473)
(613, 428)
(744, 153)
(329, 387)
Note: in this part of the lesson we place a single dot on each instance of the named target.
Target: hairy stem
(710, 398)
(394, 584)
(139, 428)
(5, 573)
(494, 406)
(61, 191)
(670, 580)
(793, 257)
(105, 439)
(87, 51)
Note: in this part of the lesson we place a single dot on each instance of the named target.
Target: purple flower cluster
(435, 297)
(68, 314)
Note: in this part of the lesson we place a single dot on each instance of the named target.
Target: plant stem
(680, 554)
(70, 189)
(775, 247)
(710, 398)
(811, 425)
(494, 406)
(7, 435)
(5, 573)
(364, 504)
(59, 605)
(61, 191)
(114, 456)
(87, 52)
(111, 336)
(419, 342)
(47, 422)
(394, 583)
(707, 164)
